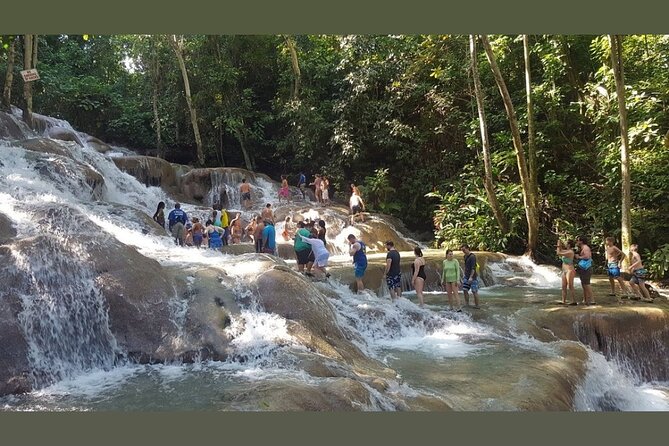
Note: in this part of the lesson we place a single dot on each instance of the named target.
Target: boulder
(43, 145)
(97, 145)
(10, 128)
(63, 134)
(7, 230)
(288, 294)
(335, 394)
(149, 170)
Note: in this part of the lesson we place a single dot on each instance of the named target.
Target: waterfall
(611, 386)
(64, 317)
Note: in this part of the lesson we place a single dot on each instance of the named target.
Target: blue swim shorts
(360, 271)
(613, 270)
(470, 285)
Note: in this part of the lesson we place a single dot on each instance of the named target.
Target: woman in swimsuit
(566, 254)
(418, 274)
(159, 216)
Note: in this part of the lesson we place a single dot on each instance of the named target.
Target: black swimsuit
(421, 271)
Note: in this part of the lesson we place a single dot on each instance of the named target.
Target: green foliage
(463, 214)
(658, 262)
(393, 114)
(380, 195)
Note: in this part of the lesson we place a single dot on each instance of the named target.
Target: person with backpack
(177, 220)
(470, 280)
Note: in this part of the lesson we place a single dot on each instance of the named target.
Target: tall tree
(29, 62)
(156, 81)
(177, 44)
(530, 198)
(485, 141)
(297, 75)
(531, 146)
(9, 76)
(619, 75)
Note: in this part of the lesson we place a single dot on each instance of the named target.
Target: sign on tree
(29, 75)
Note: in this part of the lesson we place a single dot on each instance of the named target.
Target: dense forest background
(396, 114)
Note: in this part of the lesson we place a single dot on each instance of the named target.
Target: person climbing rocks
(358, 250)
(159, 216)
(177, 220)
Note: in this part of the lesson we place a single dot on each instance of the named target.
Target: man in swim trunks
(393, 271)
(470, 280)
(639, 273)
(245, 191)
(358, 250)
(614, 257)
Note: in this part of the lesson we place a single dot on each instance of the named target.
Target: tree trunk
(9, 77)
(177, 46)
(617, 65)
(296, 67)
(27, 86)
(485, 142)
(155, 77)
(529, 198)
(531, 146)
(247, 159)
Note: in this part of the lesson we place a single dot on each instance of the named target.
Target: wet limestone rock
(98, 145)
(635, 332)
(63, 134)
(149, 170)
(43, 145)
(14, 367)
(286, 293)
(7, 230)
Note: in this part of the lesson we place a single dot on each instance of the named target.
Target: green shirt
(451, 271)
(299, 244)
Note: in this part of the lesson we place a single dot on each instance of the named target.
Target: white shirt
(317, 246)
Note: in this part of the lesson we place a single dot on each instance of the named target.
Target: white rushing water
(61, 301)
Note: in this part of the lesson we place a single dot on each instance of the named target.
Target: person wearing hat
(393, 271)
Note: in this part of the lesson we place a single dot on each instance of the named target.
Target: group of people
(321, 186)
(453, 278)
(580, 262)
(310, 246)
(217, 231)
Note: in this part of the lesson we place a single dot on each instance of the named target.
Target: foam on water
(522, 271)
(607, 386)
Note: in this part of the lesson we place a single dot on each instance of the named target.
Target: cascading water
(64, 316)
(73, 352)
